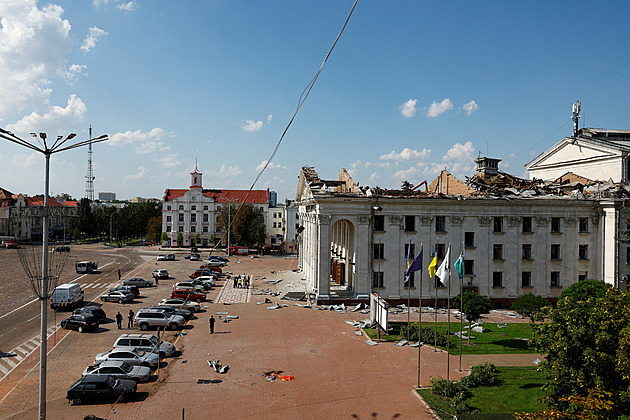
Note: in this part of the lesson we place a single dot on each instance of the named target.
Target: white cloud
(170, 161)
(90, 39)
(470, 107)
(227, 171)
(137, 136)
(269, 117)
(271, 166)
(460, 159)
(407, 154)
(511, 156)
(57, 120)
(251, 125)
(72, 73)
(274, 183)
(33, 45)
(436, 109)
(374, 177)
(152, 146)
(127, 7)
(142, 172)
(26, 161)
(407, 174)
(408, 109)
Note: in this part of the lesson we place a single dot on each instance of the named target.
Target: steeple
(195, 177)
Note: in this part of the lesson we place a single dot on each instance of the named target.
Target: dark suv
(100, 387)
(99, 313)
(80, 323)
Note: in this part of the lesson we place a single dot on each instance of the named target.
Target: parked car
(117, 296)
(215, 263)
(195, 257)
(81, 323)
(146, 318)
(170, 257)
(198, 288)
(63, 248)
(211, 280)
(146, 342)
(219, 258)
(96, 311)
(119, 370)
(181, 303)
(171, 310)
(100, 387)
(129, 289)
(160, 274)
(210, 271)
(188, 295)
(161, 257)
(129, 355)
(137, 281)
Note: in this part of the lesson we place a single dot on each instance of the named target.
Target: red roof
(222, 196)
(39, 201)
(72, 203)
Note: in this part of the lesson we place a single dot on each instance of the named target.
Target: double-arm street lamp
(43, 146)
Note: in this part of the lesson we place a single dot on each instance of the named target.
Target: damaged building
(518, 236)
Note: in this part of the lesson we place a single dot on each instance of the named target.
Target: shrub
(428, 335)
(481, 375)
(446, 388)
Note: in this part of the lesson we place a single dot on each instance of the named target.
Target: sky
(411, 88)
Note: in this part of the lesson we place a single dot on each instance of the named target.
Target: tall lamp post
(42, 146)
(229, 225)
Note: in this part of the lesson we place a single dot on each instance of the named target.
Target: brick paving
(231, 294)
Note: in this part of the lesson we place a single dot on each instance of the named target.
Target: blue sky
(411, 88)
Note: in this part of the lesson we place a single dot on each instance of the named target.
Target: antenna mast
(577, 106)
(89, 178)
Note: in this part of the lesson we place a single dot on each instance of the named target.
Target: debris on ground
(272, 375)
(274, 306)
(179, 334)
(371, 343)
(359, 332)
(402, 342)
(359, 307)
(216, 365)
(416, 344)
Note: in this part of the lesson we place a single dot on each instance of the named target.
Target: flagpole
(436, 311)
(448, 317)
(409, 253)
(420, 321)
(461, 310)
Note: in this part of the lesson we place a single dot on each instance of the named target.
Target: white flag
(444, 272)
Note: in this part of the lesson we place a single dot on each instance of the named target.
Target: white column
(323, 256)
(609, 244)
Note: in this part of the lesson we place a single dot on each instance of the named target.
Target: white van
(86, 266)
(66, 296)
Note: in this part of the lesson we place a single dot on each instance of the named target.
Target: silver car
(130, 355)
(117, 296)
(137, 281)
(145, 342)
(120, 370)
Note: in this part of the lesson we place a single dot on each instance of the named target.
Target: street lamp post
(43, 294)
(229, 225)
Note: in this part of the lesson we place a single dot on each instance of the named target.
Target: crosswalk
(13, 358)
(99, 285)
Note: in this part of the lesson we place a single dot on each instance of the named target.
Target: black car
(62, 248)
(80, 323)
(171, 310)
(129, 289)
(100, 387)
(96, 311)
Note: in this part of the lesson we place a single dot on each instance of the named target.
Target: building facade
(194, 212)
(354, 241)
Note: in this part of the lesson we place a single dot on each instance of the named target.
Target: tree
(528, 305)
(164, 237)
(154, 229)
(197, 239)
(587, 343)
(474, 306)
(406, 186)
(248, 224)
(585, 289)
(180, 239)
(64, 197)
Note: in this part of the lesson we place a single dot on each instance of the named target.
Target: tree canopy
(587, 343)
(248, 225)
(585, 289)
(529, 305)
(474, 305)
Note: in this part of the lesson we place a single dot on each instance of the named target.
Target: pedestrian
(157, 280)
(119, 274)
(235, 281)
(119, 319)
(130, 318)
(212, 320)
(240, 282)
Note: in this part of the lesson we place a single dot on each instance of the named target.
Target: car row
(167, 257)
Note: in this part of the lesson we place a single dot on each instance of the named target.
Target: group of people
(119, 319)
(242, 281)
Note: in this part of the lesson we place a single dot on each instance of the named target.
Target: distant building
(273, 199)
(106, 196)
(195, 210)
(138, 200)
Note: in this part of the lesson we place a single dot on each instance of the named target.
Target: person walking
(157, 280)
(240, 282)
(119, 319)
(130, 318)
(212, 321)
(119, 274)
(235, 281)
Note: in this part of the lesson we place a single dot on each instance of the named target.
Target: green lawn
(518, 389)
(505, 340)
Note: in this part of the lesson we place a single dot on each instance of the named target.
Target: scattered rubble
(216, 365)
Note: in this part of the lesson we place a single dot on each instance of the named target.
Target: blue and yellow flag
(433, 266)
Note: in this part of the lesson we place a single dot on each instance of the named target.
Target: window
(555, 279)
(297, 225)
(193, 229)
(181, 217)
(527, 252)
(274, 224)
(377, 279)
(440, 223)
(181, 228)
(168, 228)
(497, 279)
(582, 277)
(583, 252)
(555, 252)
(205, 207)
(440, 250)
(193, 208)
(469, 267)
(527, 225)
(379, 223)
(279, 224)
(498, 224)
(181, 207)
(583, 227)
(497, 252)
(555, 225)
(274, 215)
(526, 279)
(193, 217)
(168, 219)
(410, 223)
(469, 239)
(205, 217)
(168, 207)
(379, 251)
(205, 229)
